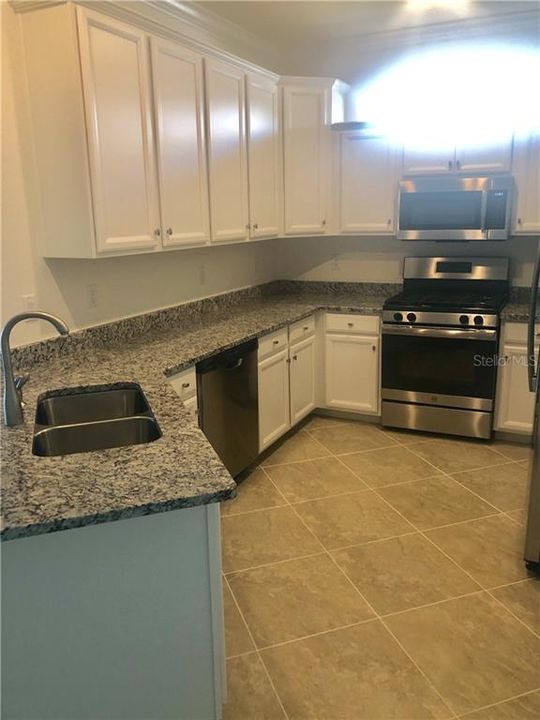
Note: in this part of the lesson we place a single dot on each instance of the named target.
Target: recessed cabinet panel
(305, 159)
(515, 404)
(225, 107)
(420, 161)
(114, 60)
(302, 379)
(179, 109)
(367, 184)
(263, 156)
(527, 176)
(488, 158)
(273, 398)
(352, 372)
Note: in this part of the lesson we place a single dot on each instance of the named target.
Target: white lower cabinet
(352, 363)
(515, 404)
(286, 379)
(302, 379)
(274, 417)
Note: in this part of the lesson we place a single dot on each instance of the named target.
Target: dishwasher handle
(228, 359)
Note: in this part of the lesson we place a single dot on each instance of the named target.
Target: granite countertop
(181, 469)
(516, 312)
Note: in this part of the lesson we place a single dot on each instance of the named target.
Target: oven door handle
(433, 332)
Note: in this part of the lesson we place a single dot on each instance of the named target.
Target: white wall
(125, 286)
(378, 259)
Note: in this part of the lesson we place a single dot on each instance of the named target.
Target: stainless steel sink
(84, 407)
(95, 419)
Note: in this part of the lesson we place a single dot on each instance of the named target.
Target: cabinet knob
(458, 165)
(248, 227)
(306, 327)
(157, 232)
(373, 347)
(323, 222)
(169, 231)
(295, 357)
(389, 222)
(288, 360)
(350, 324)
(255, 226)
(275, 342)
(520, 221)
(450, 164)
(186, 385)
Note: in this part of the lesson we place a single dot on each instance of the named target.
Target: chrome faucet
(13, 414)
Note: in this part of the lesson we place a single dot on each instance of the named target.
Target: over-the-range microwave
(454, 208)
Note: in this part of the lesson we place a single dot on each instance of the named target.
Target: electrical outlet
(93, 295)
(29, 302)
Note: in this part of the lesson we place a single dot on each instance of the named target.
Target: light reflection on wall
(463, 95)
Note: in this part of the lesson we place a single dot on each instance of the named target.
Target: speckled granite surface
(42, 495)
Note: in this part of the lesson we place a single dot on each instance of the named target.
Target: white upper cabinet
(306, 107)
(527, 176)
(367, 184)
(461, 159)
(181, 145)
(225, 108)
(263, 156)
(115, 72)
(490, 158)
(417, 162)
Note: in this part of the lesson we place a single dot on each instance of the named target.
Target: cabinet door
(273, 398)
(181, 149)
(263, 156)
(515, 404)
(225, 108)
(114, 64)
(352, 372)
(527, 175)
(305, 158)
(423, 162)
(302, 379)
(491, 158)
(367, 185)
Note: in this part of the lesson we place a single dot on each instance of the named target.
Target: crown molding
(193, 25)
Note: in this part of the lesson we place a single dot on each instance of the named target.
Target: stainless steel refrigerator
(532, 541)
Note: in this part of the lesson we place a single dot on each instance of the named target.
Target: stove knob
(464, 319)
(411, 317)
(398, 317)
(478, 320)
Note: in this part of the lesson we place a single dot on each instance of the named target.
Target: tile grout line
(477, 582)
(285, 714)
(501, 702)
(370, 606)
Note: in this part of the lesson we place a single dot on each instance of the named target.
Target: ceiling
(303, 20)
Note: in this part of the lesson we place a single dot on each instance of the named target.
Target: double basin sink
(93, 419)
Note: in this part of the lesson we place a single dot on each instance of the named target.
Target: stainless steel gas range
(440, 339)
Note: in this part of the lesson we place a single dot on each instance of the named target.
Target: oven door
(446, 367)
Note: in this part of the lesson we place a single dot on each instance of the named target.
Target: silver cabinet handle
(157, 232)
(169, 231)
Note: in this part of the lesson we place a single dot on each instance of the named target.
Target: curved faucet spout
(13, 414)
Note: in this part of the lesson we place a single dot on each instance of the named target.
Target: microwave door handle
(531, 365)
(483, 213)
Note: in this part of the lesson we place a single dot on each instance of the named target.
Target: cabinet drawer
(349, 323)
(517, 333)
(302, 329)
(272, 343)
(185, 383)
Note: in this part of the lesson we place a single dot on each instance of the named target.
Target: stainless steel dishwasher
(229, 406)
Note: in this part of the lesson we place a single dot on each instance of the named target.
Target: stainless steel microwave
(440, 207)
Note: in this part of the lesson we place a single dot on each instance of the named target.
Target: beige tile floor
(378, 575)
